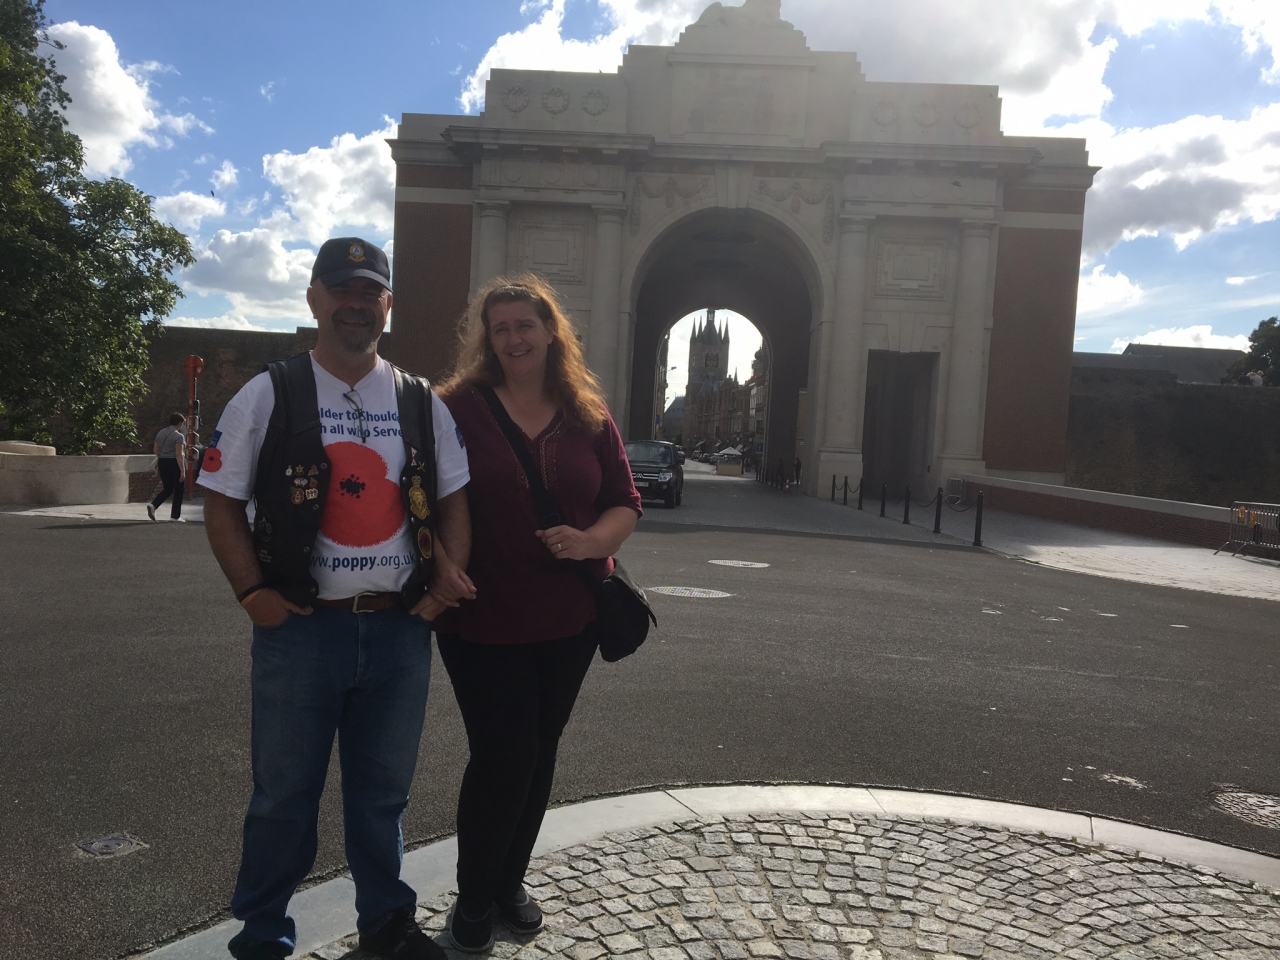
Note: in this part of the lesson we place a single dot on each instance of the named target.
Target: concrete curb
(326, 912)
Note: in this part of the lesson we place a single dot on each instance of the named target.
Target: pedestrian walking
(359, 540)
(518, 653)
(170, 448)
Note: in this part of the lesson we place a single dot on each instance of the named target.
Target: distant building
(660, 429)
(1188, 364)
(673, 420)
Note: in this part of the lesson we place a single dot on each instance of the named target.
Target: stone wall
(1162, 520)
(1141, 432)
(231, 359)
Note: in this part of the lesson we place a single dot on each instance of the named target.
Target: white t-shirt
(364, 543)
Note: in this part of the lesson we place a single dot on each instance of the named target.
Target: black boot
(520, 912)
(471, 927)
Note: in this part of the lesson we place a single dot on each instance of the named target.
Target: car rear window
(649, 452)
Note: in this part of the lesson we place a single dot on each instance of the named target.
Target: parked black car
(656, 471)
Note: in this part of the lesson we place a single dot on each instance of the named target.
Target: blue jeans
(364, 677)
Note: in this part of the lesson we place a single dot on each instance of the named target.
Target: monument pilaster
(844, 366)
(962, 444)
(607, 355)
(493, 240)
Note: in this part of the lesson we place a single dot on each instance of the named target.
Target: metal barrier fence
(1254, 526)
(937, 502)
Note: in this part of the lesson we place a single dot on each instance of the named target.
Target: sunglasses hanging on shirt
(357, 407)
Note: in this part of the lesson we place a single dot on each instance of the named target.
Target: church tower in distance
(708, 354)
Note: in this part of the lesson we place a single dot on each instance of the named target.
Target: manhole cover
(115, 845)
(1255, 808)
(690, 592)
(740, 563)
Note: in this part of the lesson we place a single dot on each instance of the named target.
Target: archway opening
(742, 262)
(711, 383)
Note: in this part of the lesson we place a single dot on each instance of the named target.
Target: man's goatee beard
(358, 340)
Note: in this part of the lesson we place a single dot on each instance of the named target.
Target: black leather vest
(293, 479)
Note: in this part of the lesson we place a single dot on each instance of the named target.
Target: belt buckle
(355, 601)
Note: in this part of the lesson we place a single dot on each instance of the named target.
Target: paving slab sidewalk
(741, 502)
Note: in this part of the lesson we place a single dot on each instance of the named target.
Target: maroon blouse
(523, 594)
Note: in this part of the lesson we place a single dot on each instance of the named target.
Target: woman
(518, 653)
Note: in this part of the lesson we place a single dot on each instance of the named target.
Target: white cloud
(185, 210)
(351, 183)
(268, 91)
(225, 175)
(1240, 281)
(1197, 336)
(254, 268)
(541, 46)
(111, 107)
(1103, 293)
(1181, 179)
(228, 321)
(346, 187)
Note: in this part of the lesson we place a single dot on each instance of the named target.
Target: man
(361, 535)
(170, 448)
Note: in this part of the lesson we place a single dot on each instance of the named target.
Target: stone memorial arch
(909, 265)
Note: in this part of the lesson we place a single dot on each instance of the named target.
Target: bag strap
(548, 515)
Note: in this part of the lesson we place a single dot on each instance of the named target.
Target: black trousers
(515, 702)
(171, 477)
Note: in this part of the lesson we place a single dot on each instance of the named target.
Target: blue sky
(281, 108)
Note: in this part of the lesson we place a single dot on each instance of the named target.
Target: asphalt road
(125, 704)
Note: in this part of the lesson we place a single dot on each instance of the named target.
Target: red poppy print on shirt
(363, 507)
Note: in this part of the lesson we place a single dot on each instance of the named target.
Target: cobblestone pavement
(839, 887)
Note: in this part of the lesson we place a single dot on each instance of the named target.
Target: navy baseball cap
(345, 257)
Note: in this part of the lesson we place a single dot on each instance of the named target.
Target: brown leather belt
(364, 602)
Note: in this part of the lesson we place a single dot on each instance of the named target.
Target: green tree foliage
(84, 265)
(1264, 353)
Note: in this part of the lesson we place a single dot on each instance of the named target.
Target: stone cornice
(471, 143)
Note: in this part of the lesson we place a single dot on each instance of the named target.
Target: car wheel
(680, 496)
(669, 501)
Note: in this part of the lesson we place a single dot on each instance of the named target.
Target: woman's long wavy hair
(569, 384)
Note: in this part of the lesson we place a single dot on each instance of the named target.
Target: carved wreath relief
(670, 189)
(595, 102)
(516, 98)
(885, 113)
(926, 113)
(555, 100)
(796, 193)
(968, 116)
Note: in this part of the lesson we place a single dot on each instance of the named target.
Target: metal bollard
(977, 523)
(884, 497)
(833, 488)
(906, 506)
(846, 491)
(859, 494)
(937, 514)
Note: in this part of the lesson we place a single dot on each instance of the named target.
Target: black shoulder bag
(623, 613)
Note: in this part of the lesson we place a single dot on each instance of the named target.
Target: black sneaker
(471, 935)
(520, 912)
(400, 938)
